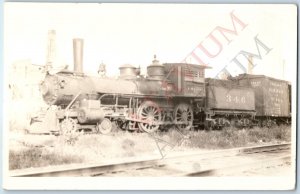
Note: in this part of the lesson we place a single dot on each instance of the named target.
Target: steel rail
(100, 169)
(238, 168)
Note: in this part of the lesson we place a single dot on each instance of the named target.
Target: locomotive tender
(171, 94)
(272, 98)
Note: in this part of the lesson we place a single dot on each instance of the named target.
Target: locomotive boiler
(168, 95)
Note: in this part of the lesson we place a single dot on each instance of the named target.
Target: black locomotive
(171, 94)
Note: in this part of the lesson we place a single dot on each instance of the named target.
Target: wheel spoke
(69, 127)
(183, 114)
(149, 112)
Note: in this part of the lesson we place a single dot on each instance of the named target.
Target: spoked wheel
(268, 123)
(150, 114)
(183, 115)
(105, 127)
(68, 127)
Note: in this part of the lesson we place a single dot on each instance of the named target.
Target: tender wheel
(233, 122)
(105, 126)
(268, 123)
(68, 126)
(208, 125)
(149, 113)
(183, 115)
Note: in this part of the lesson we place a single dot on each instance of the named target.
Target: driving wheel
(150, 115)
(183, 115)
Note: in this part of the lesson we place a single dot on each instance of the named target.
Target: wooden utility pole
(250, 65)
(51, 49)
(283, 68)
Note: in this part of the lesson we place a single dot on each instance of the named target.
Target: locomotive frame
(171, 94)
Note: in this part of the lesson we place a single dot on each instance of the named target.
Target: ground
(28, 150)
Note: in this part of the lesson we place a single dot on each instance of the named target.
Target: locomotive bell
(102, 70)
(156, 70)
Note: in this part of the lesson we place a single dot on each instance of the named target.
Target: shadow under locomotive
(171, 94)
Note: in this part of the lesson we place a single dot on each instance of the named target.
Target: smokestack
(78, 55)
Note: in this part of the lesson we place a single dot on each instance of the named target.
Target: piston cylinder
(90, 116)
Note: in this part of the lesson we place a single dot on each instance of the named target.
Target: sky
(118, 34)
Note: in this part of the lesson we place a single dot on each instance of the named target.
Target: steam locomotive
(170, 95)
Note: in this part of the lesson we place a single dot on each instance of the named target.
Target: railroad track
(211, 163)
(231, 169)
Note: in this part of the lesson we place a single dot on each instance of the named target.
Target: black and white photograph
(149, 96)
